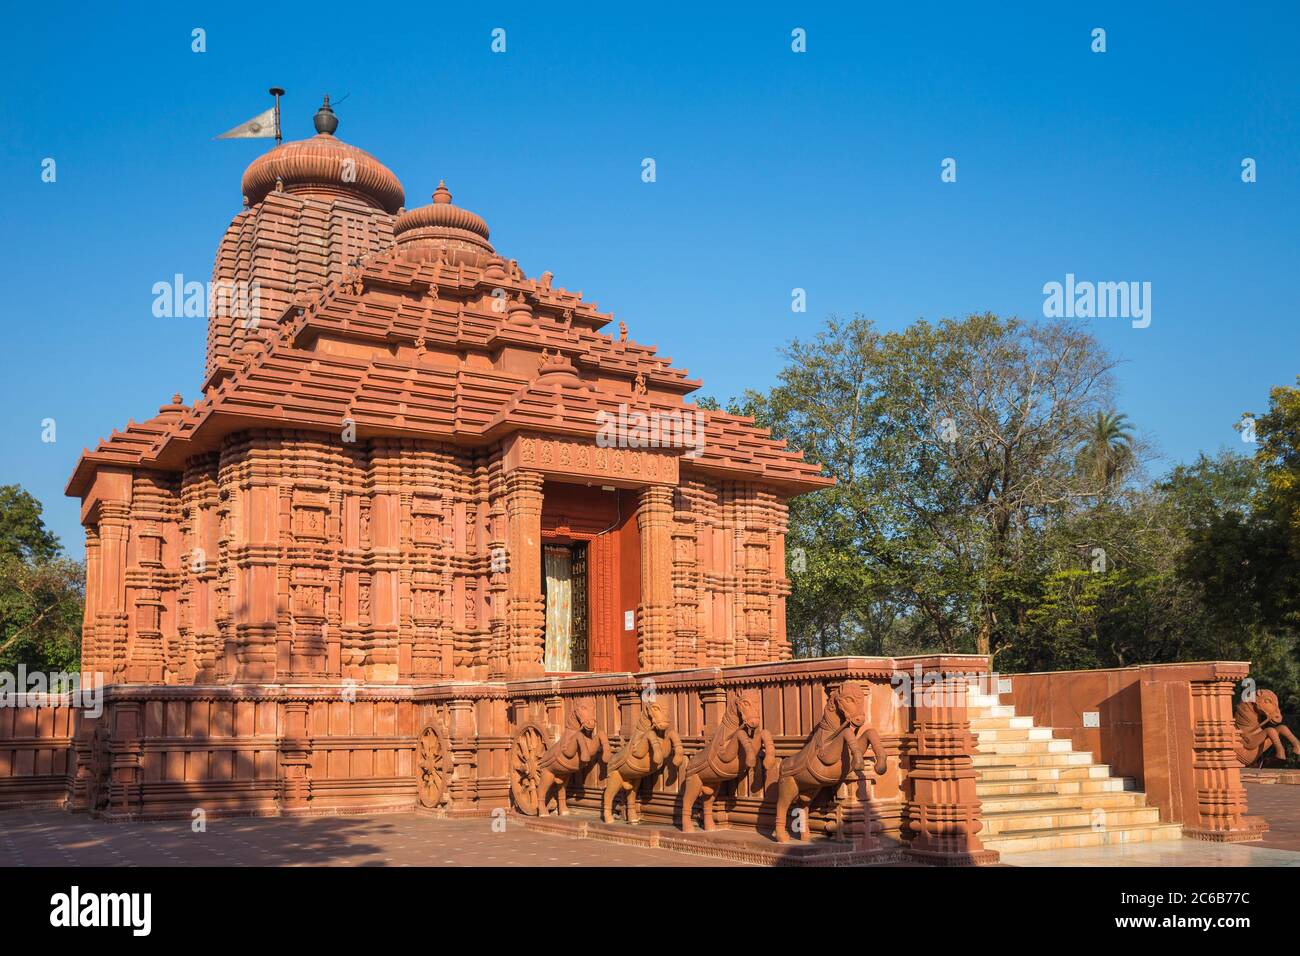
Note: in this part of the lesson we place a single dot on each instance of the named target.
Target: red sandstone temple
(396, 473)
(431, 538)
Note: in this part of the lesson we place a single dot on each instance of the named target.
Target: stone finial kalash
(833, 751)
(739, 745)
(653, 746)
(1261, 730)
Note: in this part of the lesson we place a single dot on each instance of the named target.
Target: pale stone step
(1052, 746)
(998, 723)
(1063, 818)
(1000, 710)
(1083, 836)
(994, 788)
(1026, 802)
(990, 734)
(1067, 759)
(1036, 792)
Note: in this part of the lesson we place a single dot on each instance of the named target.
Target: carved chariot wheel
(431, 765)
(526, 752)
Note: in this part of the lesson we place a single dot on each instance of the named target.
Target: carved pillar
(92, 657)
(295, 760)
(254, 600)
(125, 788)
(1220, 796)
(463, 731)
(943, 810)
(714, 701)
(110, 617)
(780, 645)
(654, 625)
(525, 609)
(385, 521)
(686, 583)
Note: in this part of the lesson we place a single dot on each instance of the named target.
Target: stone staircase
(1040, 794)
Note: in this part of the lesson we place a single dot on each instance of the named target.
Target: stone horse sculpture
(1260, 730)
(731, 752)
(832, 751)
(581, 745)
(652, 747)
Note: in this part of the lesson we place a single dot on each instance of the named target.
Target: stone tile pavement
(55, 838)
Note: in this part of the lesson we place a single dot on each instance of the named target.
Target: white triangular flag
(260, 126)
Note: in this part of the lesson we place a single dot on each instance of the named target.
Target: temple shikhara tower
(411, 462)
(439, 535)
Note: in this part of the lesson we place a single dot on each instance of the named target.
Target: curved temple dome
(324, 166)
(440, 228)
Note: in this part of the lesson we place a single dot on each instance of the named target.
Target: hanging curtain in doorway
(558, 564)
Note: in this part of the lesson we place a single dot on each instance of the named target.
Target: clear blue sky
(775, 170)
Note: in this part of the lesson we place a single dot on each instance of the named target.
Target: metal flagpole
(277, 93)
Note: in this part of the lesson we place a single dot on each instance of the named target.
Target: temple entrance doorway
(590, 578)
(564, 588)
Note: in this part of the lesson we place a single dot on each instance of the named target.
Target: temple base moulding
(1256, 829)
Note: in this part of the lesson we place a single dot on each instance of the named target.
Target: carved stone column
(943, 810)
(1220, 796)
(714, 700)
(92, 657)
(110, 615)
(654, 625)
(629, 711)
(525, 609)
(125, 787)
(464, 756)
(254, 598)
(295, 760)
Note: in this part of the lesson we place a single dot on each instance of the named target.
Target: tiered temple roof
(434, 337)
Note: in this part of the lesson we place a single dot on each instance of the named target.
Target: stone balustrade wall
(35, 751)
(165, 751)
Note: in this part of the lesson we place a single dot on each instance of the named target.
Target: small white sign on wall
(1092, 718)
(629, 620)
(1004, 685)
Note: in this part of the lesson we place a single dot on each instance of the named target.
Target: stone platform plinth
(739, 846)
(1270, 776)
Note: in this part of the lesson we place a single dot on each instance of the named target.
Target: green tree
(950, 444)
(1107, 451)
(22, 532)
(41, 592)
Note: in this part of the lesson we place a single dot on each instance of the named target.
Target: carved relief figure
(1260, 731)
(581, 745)
(833, 750)
(431, 764)
(652, 747)
(732, 751)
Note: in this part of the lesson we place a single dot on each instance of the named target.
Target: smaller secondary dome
(441, 229)
(325, 167)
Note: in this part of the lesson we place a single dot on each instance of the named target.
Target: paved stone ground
(55, 838)
(1279, 804)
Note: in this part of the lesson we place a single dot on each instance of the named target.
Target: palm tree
(1107, 450)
